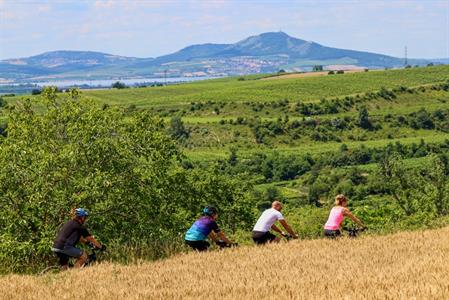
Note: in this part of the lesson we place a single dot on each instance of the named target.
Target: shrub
(118, 85)
(363, 119)
(177, 129)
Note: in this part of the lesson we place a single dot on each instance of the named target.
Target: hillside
(264, 53)
(220, 113)
(408, 265)
(252, 89)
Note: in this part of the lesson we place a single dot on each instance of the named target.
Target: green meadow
(228, 113)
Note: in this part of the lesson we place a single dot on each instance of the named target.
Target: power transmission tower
(405, 57)
(165, 77)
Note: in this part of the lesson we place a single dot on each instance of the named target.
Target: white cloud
(148, 28)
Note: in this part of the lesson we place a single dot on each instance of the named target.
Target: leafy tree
(3, 129)
(363, 119)
(415, 190)
(3, 102)
(118, 85)
(120, 165)
(422, 120)
(317, 68)
(177, 129)
(233, 160)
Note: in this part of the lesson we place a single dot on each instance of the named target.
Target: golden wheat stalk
(409, 265)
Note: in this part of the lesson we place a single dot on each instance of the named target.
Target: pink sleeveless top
(335, 218)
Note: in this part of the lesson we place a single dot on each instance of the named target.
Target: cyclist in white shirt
(261, 231)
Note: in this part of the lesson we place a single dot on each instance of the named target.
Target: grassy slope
(211, 140)
(408, 265)
(304, 89)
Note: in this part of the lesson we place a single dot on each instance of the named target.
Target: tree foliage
(177, 129)
(363, 120)
(118, 85)
(121, 166)
(415, 190)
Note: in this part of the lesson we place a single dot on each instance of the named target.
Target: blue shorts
(69, 251)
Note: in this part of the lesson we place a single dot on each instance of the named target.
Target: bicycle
(288, 236)
(91, 259)
(222, 244)
(353, 232)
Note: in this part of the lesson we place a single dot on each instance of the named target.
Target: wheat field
(408, 265)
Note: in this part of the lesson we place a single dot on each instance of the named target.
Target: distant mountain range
(264, 53)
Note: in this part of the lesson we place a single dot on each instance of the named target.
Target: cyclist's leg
(261, 238)
(81, 260)
(258, 237)
(63, 260)
(80, 255)
(332, 234)
(198, 245)
(271, 238)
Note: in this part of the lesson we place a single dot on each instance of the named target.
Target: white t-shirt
(267, 219)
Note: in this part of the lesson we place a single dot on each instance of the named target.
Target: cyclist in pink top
(336, 216)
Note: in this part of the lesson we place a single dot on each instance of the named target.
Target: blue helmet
(209, 211)
(81, 212)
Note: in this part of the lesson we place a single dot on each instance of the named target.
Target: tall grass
(408, 265)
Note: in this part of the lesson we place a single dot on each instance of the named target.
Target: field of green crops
(299, 89)
(210, 109)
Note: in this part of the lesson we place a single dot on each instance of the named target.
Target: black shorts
(260, 237)
(66, 253)
(332, 234)
(63, 258)
(198, 245)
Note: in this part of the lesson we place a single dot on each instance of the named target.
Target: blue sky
(152, 28)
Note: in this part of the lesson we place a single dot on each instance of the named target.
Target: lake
(109, 82)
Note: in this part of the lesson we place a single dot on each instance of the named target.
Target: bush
(421, 120)
(118, 85)
(424, 189)
(177, 129)
(363, 119)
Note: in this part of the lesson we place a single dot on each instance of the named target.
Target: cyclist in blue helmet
(204, 227)
(70, 234)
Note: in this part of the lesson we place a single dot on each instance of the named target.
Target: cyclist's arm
(217, 236)
(275, 228)
(92, 240)
(348, 214)
(223, 237)
(288, 228)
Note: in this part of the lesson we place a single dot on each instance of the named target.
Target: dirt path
(308, 74)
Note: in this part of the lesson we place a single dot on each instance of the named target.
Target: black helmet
(209, 211)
